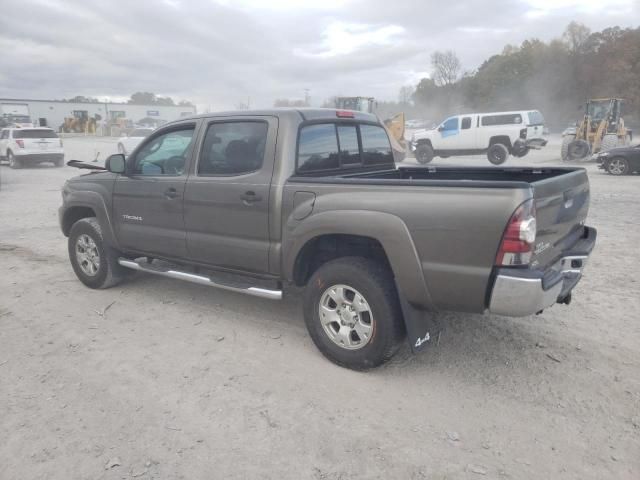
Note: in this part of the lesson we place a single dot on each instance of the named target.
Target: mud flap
(421, 325)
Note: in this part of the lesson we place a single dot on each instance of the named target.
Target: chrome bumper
(517, 295)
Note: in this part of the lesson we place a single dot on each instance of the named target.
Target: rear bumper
(523, 292)
(40, 157)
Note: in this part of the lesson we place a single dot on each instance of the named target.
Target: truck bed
(449, 176)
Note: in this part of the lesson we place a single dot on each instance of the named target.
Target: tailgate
(562, 204)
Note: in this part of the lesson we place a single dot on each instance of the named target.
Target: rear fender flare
(388, 229)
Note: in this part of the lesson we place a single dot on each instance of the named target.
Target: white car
(29, 146)
(497, 134)
(128, 143)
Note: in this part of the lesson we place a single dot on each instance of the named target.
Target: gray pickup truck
(311, 200)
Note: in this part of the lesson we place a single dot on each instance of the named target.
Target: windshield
(141, 132)
(18, 119)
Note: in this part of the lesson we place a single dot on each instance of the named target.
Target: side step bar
(201, 279)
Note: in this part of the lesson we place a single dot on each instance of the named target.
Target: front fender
(88, 199)
(388, 229)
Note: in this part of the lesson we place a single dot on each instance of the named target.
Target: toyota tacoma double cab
(310, 202)
(497, 134)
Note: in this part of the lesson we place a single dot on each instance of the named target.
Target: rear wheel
(13, 161)
(497, 153)
(94, 262)
(352, 312)
(618, 166)
(424, 153)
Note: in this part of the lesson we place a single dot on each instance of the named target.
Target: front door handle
(250, 197)
(170, 193)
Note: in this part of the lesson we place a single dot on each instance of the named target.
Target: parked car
(620, 161)
(129, 142)
(30, 146)
(498, 135)
(257, 201)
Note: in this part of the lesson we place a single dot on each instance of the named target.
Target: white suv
(497, 134)
(22, 146)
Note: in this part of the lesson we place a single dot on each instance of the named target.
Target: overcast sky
(218, 53)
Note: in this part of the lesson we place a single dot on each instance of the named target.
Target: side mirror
(115, 163)
(440, 128)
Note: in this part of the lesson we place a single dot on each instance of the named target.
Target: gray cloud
(220, 53)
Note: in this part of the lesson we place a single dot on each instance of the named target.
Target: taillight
(516, 247)
(20, 143)
(523, 133)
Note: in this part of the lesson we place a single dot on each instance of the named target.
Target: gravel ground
(168, 380)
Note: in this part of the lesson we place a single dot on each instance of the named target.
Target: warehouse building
(99, 118)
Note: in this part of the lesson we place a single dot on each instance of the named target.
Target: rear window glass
(536, 118)
(349, 149)
(376, 148)
(34, 134)
(503, 119)
(318, 148)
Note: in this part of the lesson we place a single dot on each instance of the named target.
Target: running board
(200, 279)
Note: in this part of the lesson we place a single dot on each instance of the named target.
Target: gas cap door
(303, 203)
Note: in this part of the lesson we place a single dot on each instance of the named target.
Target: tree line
(138, 98)
(555, 77)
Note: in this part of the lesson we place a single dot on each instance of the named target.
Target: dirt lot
(162, 379)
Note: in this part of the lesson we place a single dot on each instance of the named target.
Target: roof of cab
(302, 113)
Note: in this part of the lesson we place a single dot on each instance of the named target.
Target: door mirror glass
(115, 163)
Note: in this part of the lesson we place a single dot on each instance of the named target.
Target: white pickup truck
(498, 134)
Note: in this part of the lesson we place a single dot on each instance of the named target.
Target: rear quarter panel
(450, 233)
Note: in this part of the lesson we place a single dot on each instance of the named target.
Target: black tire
(375, 283)
(564, 150)
(498, 154)
(109, 272)
(617, 166)
(424, 153)
(611, 141)
(13, 161)
(578, 149)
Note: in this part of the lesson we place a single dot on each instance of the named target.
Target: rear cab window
(333, 146)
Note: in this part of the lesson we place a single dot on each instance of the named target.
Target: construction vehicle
(601, 128)
(394, 125)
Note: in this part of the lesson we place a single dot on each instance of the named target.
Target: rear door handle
(250, 197)
(171, 193)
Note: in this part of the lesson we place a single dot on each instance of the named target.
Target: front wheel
(578, 149)
(618, 166)
(497, 154)
(94, 262)
(352, 312)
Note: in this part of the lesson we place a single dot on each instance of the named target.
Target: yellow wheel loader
(394, 125)
(601, 128)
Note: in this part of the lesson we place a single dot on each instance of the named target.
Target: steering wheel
(174, 165)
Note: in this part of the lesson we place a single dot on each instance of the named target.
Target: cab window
(450, 124)
(165, 154)
(233, 148)
(466, 123)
